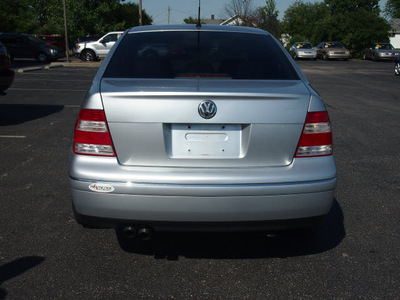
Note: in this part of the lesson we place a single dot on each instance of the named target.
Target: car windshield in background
(303, 46)
(334, 45)
(35, 39)
(195, 54)
(384, 47)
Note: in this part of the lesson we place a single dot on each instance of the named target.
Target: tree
(190, 20)
(306, 20)
(392, 8)
(355, 23)
(345, 6)
(17, 16)
(129, 12)
(268, 18)
(83, 16)
(244, 9)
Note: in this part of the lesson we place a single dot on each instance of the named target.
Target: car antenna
(198, 18)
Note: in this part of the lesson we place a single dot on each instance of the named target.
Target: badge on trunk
(207, 109)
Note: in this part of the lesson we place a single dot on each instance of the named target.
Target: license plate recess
(206, 141)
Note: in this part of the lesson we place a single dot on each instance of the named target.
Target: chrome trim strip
(204, 185)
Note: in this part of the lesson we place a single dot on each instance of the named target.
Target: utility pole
(169, 13)
(140, 13)
(66, 32)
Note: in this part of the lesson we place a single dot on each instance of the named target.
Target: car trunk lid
(156, 122)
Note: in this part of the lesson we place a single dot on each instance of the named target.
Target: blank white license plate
(206, 141)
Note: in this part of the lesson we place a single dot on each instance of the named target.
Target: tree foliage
(83, 16)
(244, 9)
(355, 23)
(392, 8)
(307, 20)
(268, 18)
(190, 20)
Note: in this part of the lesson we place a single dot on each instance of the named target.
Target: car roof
(193, 27)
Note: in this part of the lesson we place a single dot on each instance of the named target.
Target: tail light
(316, 138)
(92, 136)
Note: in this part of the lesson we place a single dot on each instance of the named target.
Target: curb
(59, 65)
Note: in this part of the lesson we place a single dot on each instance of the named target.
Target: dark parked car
(381, 51)
(332, 50)
(204, 132)
(397, 67)
(29, 46)
(6, 75)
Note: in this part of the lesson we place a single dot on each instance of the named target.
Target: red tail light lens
(91, 135)
(316, 138)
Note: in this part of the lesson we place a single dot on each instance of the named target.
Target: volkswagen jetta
(201, 128)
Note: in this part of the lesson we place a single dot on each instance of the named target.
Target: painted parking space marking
(12, 136)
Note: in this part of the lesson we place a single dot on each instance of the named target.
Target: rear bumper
(307, 55)
(269, 206)
(338, 56)
(107, 194)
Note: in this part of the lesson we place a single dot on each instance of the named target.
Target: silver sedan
(381, 51)
(303, 50)
(213, 135)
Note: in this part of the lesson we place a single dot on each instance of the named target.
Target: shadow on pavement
(320, 238)
(26, 63)
(16, 268)
(13, 114)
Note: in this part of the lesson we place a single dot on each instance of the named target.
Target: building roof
(395, 23)
(212, 21)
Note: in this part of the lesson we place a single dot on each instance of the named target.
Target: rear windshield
(192, 54)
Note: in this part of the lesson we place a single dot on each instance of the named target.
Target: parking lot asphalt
(353, 254)
(30, 65)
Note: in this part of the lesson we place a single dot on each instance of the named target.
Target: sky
(181, 9)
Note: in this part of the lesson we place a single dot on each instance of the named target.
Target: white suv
(93, 50)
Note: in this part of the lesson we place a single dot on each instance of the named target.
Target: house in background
(232, 21)
(212, 21)
(395, 34)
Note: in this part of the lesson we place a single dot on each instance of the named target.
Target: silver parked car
(381, 51)
(211, 135)
(332, 50)
(302, 50)
(397, 67)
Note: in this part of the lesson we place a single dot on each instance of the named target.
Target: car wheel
(374, 58)
(88, 55)
(294, 56)
(42, 57)
(325, 56)
(397, 69)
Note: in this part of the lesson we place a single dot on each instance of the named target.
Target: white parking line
(47, 89)
(13, 136)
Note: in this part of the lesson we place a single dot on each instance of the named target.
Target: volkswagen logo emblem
(207, 109)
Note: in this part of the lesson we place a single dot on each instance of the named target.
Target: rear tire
(88, 55)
